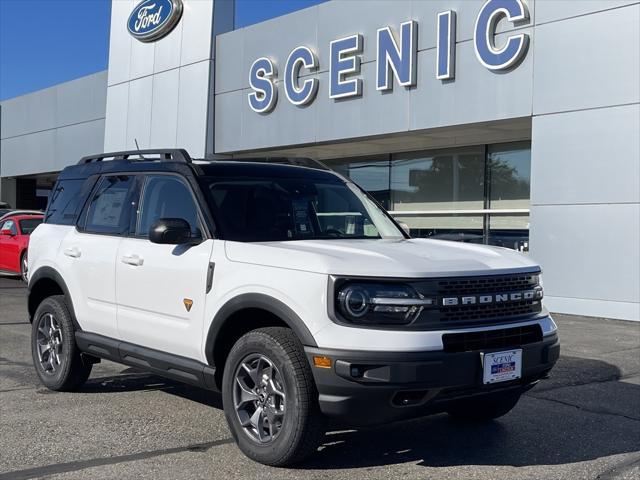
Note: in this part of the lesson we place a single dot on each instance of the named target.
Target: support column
(160, 93)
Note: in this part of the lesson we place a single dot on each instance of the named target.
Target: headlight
(380, 304)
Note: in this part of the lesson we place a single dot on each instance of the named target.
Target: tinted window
(64, 202)
(166, 196)
(29, 225)
(296, 209)
(110, 207)
(10, 225)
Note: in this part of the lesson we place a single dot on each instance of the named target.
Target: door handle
(73, 252)
(135, 260)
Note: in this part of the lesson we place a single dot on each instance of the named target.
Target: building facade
(504, 122)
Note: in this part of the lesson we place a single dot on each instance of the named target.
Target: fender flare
(50, 273)
(262, 302)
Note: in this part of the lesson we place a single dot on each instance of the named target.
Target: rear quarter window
(28, 225)
(65, 202)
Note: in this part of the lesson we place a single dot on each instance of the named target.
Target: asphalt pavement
(582, 423)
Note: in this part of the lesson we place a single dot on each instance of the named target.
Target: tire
(24, 267)
(484, 408)
(53, 331)
(298, 425)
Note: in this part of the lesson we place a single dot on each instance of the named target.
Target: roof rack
(162, 155)
(296, 161)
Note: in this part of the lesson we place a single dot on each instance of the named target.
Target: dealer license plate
(502, 366)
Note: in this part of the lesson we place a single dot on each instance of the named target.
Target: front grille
(492, 284)
(472, 313)
(490, 339)
(453, 316)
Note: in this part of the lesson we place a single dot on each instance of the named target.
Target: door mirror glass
(170, 231)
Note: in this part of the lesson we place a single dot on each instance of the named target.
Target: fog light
(322, 362)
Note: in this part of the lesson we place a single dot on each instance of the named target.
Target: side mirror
(7, 232)
(170, 231)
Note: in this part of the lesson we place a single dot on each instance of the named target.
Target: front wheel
(487, 407)
(270, 399)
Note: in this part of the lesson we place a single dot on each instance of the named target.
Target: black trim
(50, 274)
(368, 388)
(258, 301)
(162, 155)
(210, 271)
(175, 367)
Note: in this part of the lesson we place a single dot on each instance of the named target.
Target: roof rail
(162, 155)
(296, 161)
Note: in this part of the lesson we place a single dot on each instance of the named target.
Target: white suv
(286, 288)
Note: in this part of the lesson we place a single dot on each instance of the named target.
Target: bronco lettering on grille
(535, 294)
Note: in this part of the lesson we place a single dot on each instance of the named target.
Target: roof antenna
(138, 148)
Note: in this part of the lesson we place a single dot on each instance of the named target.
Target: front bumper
(368, 388)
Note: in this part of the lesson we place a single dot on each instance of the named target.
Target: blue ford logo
(153, 19)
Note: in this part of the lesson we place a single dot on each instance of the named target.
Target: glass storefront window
(509, 189)
(475, 194)
(371, 173)
(439, 181)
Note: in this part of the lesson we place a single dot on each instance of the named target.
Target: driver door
(160, 289)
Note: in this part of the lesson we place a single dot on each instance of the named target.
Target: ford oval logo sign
(153, 19)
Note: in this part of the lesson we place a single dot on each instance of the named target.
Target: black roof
(256, 168)
(261, 170)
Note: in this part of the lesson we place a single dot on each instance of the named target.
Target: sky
(45, 42)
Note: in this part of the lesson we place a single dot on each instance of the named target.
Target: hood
(382, 258)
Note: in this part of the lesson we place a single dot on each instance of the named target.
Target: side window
(110, 208)
(166, 196)
(10, 225)
(64, 202)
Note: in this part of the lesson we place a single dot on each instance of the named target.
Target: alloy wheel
(259, 398)
(49, 344)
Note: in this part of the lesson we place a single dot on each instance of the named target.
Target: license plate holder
(501, 366)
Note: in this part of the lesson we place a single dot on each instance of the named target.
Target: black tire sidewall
(22, 271)
(296, 407)
(58, 308)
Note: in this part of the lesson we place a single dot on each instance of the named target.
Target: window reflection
(421, 188)
(371, 173)
(438, 180)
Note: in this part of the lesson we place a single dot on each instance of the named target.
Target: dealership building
(505, 122)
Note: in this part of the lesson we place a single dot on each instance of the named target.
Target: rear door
(161, 288)
(88, 253)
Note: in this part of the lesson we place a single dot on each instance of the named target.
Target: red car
(14, 240)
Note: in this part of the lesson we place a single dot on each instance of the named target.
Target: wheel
(24, 267)
(270, 399)
(53, 347)
(484, 408)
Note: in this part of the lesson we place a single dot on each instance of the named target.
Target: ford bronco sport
(286, 288)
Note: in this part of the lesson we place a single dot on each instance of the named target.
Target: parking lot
(582, 423)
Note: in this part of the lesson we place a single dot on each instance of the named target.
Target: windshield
(274, 209)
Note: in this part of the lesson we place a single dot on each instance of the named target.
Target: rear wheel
(53, 347)
(484, 408)
(270, 399)
(24, 267)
